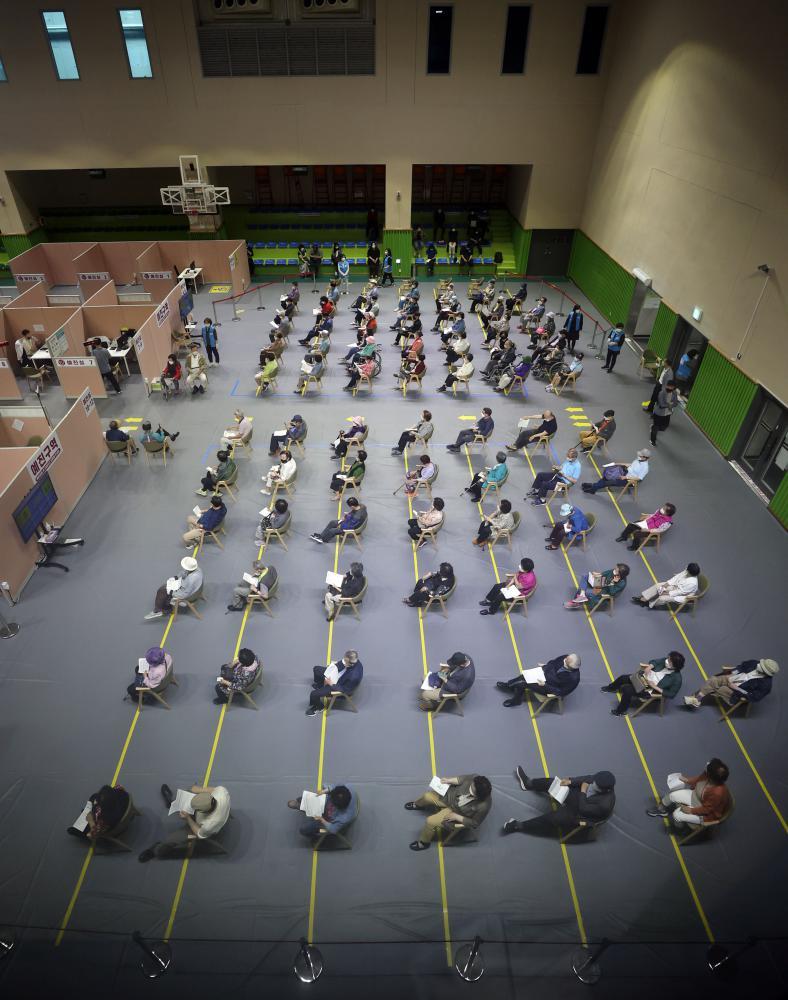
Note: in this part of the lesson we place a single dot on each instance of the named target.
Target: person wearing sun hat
(750, 681)
(182, 587)
(149, 672)
(570, 523)
(590, 798)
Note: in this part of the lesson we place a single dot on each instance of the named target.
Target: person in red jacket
(696, 801)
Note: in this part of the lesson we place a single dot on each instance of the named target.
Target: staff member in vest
(210, 337)
(573, 326)
(615, 341)
(104, 362)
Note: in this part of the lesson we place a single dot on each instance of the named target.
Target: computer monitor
(192, 266)
(35, 507)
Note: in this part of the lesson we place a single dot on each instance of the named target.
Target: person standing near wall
(573, 325)
(210, 337)
(104, 362)
(667, 401)
(615, 341)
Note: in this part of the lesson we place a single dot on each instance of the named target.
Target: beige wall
(474, 115)
(690, 173)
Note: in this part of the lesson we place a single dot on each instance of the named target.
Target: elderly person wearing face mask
(590, 797)
(149, 672)
(571, 523)
(655, 679)
(657, 523)
(567, 473)
(750, 681)
(696, 801)
(676, 590)
(607, 583)
(561, 675)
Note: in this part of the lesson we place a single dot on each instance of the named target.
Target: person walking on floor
(615, 341)
(104, 362)
(665, 376)
(573, 326)
(667, 401)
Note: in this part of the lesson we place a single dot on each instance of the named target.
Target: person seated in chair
(751, 681)
(435, 584)
(520, 368)
(273, 520)
(561, 677)
(338, 813)
(410, 366)
(607, 583)
(107, 808)
(425, 521)
(211, 810)
(362, 367)
(567, 473)
(209, 520)
(265, 578)
(236, 676)
(464, 804)
(342, 676)
(196, 379)
(616, 474)
(676, 590)
(358, 427)
(114, 433)
(423, 473)
(313, 364)
(456, 347)
(490, 476)
(546, 429)
(225, 470)
(657, 678)
(280, 474)
(501, 357)
(243, 428)
(501, 519)
(590, 799)
(172, 373)
(461, 372)
(572, 522)
(159, 436)
(423, 428)
(484, 426)
(149, 672)
(295, 430)
(603, 429)
(356, 472)
(178, 588)
(655, 524)
(353, 582)
(269, 369)
(353, 518)
(524, 580)
(455, 677)
(575, 367)
(696, 801)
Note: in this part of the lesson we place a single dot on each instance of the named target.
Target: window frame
(48, 37)
(430, 9)
(598, 70)
(126, 48)
(521, 72)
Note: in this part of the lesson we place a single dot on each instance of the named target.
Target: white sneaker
(153, 614)
(691, 701)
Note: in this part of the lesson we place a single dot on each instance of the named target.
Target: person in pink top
(150, 671)
(524, 580)
(660, 521)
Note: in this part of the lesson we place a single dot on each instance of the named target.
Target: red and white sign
(46, 456)
(156, 275)
(30, 277)
(88, 402)
(93, 276)
(162, 313)
(75, 362)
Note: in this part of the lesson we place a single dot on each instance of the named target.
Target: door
(765, 454)
(549, 254)
(686, 338)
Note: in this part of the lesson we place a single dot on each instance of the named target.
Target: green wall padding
(662, 331)
(609, 286)
(779, 504)
(521, 240)
(18, 243)
(720, 399)
(399, 241)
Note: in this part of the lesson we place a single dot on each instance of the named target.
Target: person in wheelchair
(575, 367)
(171, 376)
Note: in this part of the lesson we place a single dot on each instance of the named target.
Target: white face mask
(593, 789)
(668, 664)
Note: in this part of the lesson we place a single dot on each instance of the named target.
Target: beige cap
(769, 667)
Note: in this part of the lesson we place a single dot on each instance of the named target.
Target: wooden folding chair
(351, 483)
(363, 380)
(431, 534)
(36, 377)
(119, 448)
(454, 699)
(464, 383)
(495, 487)
(591, 518)
(294, 443)
(352, 602)
(353, 533)
(691, 602)
(521, 601)
(441, 600)
(420, 441)
(559, 490)
(106, 843)
(650, 362)
(541, 441)
(412, 379)
(458, 835)
(158, 691)
(227, 484)
(342, 696)
(157, 448)
(324, 837)
(505, 534)
(425, 485)
(272, 384)
(726, 711)
(248, 691)
(598, 443)
(277, 533)
(254, 599)
(358, 440)
(288, 487)
(189, 603)
(588, 826)
(213, 535)
(545, 700)
(651, 536)
(312, 380)
(479, 438)
(647, 701)
(245, 443)
(567, 380)
(607, 599)
(517, 380)
(706, 828)
(631, 485)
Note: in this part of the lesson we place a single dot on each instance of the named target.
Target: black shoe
(522, 777)
(219, 701)
(417, 845)
(148, 854)
(510, 826)
(167, 795)
(617, 711)
(411, 805)
(74, 832)
(640, 601)
(659, 813)
(512, 702)
(487, 611)
(621, 538)
(585, 487)
(607, 688)
(484, 604)
(312, 710)
(234, 607)
(175, 436)
(503, 685)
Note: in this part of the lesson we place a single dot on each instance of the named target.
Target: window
(60, 44)
(136, 44)
(591, 41)
(516, 39)
(3, 77)
(439, 41)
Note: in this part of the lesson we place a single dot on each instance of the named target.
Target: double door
(765, 452)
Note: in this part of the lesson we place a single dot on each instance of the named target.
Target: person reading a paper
(294, 430)
(696, 801)
(241, 431)
(178, 588)
(455, 677)
(204, 812)
(519, 584)
(659, 678)
(331, 809)
(102, 813)
(260, 581)
(225, 469)
(559, 676)
(150, 671)
(272, 518)
(349, 585)
(201, 521)
(463, 801)
(341, 675)
(589, 797)
(236, 676)
(607, 583)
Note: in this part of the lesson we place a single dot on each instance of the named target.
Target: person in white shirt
(281, 473)
(676, 590)
(464, 371)
(25, 347)
(211, 811)
(234, 434)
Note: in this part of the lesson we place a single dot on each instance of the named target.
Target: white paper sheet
(248, 578)
(182, 803)
(425, 684)
(142, 665)
(81, 822)
(313, 805)
(197, 511)
(558, 791)
(172, 584)
(534, 676)
(511, 592)
(441, 787)
(334, 579)
(332, 674)
(674, 781)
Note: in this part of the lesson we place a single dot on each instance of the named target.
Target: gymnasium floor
(66, 731)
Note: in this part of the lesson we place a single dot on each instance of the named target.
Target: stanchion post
(158, 956)
(308, 964)
(213, 306)
(8, 629)
(236, 317)
(585, 966)
(7, 942)
(468, 961)
(259, 300)
(723, 963)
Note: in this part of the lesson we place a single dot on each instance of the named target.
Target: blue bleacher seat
(293, 246)
(268, 263)
(326, 246)
(281, 246)
(281, 262)
(326, 260)
(419, 260)
(488, 260)
(477, 260)
(443, 260)
(291, 262)
(259, 246)
(270, 246)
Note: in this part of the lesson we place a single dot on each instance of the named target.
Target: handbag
(637, 682)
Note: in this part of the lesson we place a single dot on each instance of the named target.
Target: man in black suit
(561, 677)
(591, 798)
(352, 584)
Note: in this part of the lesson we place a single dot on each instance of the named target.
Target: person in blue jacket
(342, 675)
(354, 517)
(573, 326)
(572, 522)
(561, 677)
(339, 812)
(209, 520)
(210, 337)
(615, 341)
